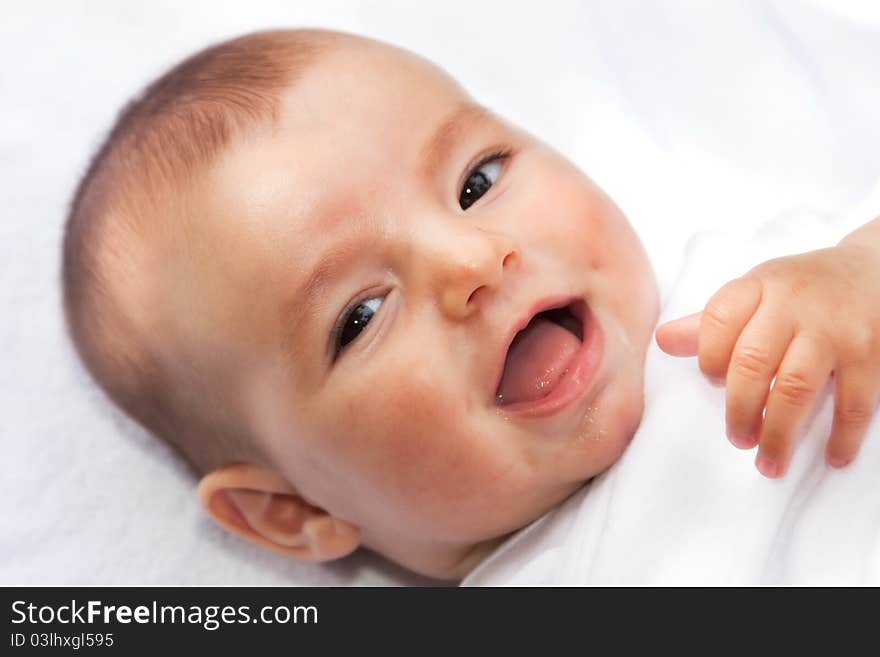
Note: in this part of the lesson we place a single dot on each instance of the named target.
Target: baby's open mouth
(541, 354)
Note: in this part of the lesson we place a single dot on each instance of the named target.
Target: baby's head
(303, 259)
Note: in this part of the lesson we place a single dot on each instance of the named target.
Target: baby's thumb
(680, 337)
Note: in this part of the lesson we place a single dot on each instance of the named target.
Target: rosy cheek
(396, 422)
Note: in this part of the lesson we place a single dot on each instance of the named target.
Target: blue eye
(355, 320)
(480, 179)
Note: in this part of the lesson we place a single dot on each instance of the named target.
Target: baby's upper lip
(539, 306)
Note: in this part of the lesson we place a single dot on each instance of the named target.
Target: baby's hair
(132, 189)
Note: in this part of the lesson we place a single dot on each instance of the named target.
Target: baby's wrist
(865, 237)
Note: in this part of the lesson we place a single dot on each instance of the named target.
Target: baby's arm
(800, 319)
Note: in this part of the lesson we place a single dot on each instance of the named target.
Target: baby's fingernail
(740, 440)
(766, 466)
(838, 462)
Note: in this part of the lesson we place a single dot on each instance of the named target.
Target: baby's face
(368, 316)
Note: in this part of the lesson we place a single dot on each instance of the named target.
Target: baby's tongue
(536, 361)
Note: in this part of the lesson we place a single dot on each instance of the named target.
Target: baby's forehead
(341, 138)
(362, 70)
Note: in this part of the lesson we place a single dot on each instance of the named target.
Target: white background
(692, 115)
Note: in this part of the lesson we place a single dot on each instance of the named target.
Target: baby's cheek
(424, 438)
(574, 219)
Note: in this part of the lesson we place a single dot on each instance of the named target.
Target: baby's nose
(471, 269)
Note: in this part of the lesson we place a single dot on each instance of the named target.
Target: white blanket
(683, 506)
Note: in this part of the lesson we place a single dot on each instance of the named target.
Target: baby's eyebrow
(450, 131)
(296, 310)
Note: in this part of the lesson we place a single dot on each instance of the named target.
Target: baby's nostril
(473, 294)
(508, 259)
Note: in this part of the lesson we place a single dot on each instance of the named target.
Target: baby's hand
(801, 319)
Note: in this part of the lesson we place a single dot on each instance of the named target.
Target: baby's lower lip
(580, 374)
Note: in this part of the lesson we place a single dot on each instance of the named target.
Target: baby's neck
(452, 563)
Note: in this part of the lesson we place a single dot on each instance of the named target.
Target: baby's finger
(753, 364)
(805, 368)
(721, 322)
(855, 402)
(680, 337)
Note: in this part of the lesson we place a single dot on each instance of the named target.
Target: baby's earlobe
(329, 538)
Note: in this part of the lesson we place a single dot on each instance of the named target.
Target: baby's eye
(355, 320)
(480, 180)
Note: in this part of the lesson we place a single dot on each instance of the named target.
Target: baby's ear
(258, 504)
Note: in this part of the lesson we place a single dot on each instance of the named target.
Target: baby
(369, 312)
